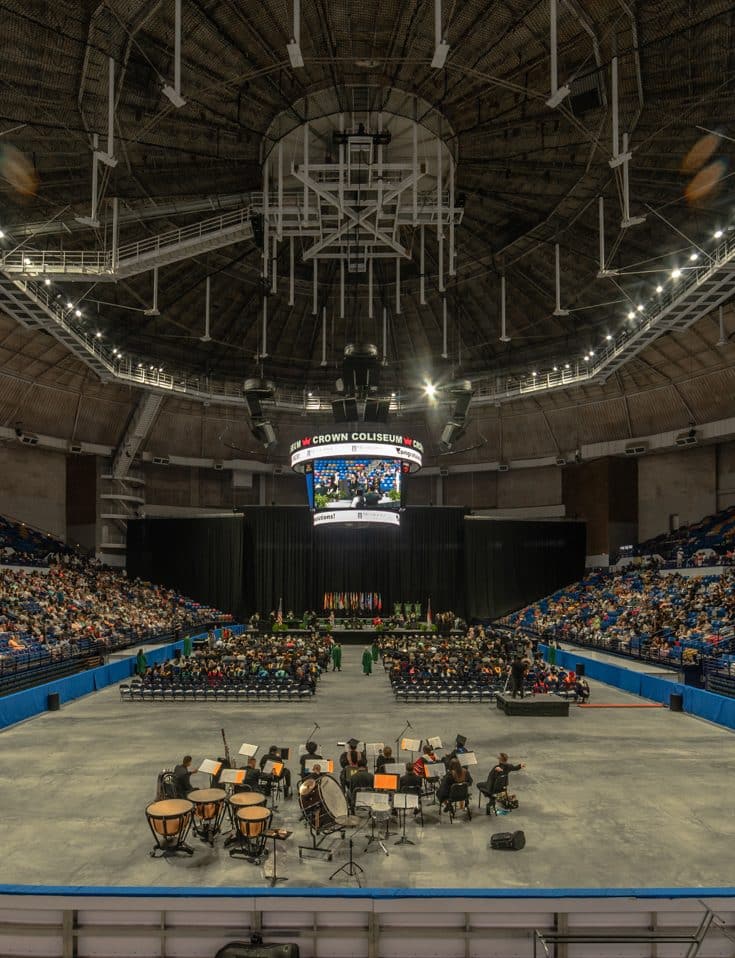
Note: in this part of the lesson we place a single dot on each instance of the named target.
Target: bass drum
(322, 801)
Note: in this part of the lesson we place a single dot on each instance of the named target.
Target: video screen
(367, 489)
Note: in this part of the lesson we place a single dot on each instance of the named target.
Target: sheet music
(434, 742)
(232, 776)
(325, 764)
(374, 748)
(394, 768)
(209, 767)
(401, 800)
(249, 750)
(467, 758)
(434, 769)
(411, 745)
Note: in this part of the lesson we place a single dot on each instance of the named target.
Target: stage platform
(532, 705)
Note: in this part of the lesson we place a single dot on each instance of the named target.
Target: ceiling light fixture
(693, 257)
(608, 337)
(78, 313)
(718, 234)
(47, 281)
(631, 315)
(675, 272)
(640, 307)
(659, 288)
(430, 390)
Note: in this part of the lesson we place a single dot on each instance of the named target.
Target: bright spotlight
(675, 273)
(78, 313)
(430, 390)
(631, 315)
(693, 257)
(608, 337)
(639, 307)
(47, 282)
(659, 288)
(70, 305)
(718, 234)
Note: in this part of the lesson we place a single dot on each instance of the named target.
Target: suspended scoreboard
(356, 477)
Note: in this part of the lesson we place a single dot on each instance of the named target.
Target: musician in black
(410, 782)
(310, 754)
(182, 777)
(274, 755)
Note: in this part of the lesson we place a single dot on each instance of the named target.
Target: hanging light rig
(384, 177)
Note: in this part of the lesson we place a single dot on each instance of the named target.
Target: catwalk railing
(395, 922)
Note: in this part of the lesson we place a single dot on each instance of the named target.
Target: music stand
(402, 802)
(278, 835)
(376, 802)
(350, 867)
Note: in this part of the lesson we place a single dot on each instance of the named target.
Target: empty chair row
(228, 693)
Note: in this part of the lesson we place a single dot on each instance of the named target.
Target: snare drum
(209, 807)
(169, 821)
(322, 801)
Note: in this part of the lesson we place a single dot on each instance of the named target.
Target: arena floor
(611, 797)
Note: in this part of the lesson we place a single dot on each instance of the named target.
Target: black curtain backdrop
(511, 563)
(201, 558)
(286, 557)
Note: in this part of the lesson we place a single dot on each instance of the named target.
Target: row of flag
(353, 601)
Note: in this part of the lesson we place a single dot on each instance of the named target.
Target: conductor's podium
(532, 705)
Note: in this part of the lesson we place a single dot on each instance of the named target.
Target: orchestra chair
(125, 693)
(459, 795)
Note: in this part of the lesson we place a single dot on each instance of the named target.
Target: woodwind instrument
(227, 750)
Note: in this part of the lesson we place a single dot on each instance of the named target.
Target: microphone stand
(308, 737)
(400, 736)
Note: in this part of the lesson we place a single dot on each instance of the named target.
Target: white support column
(628, 220)
(415, 158)
(615, 114)
(557, 93)
(291, 271)
(439, 224)
(601, 219)
(385, 336)
(177, 47)
(116, 236)
(207, 305)
(370, 288)
(445, 353)
(342, 289)
(264, 330)
(95, 161)
(504, 337)
(274, 264)
(153, 311)
(306, 170)
(452, 264)
(422, 269)
(108, 157)
(266, 216)
(380, 165)
(280, 190)
(324, 336)
(557, 277)
(398, 285)
(341, 186)
(315, 291)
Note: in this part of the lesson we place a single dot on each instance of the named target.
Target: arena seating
(710, 541)
(22, 545)
(662, 617)
(77, 609)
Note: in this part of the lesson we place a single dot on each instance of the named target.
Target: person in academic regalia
(376, 651)
(367, 661)
(336, 655)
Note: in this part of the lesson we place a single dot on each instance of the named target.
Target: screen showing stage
(355, 477)
(345, 489)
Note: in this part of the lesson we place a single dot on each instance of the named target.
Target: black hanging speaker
(509, 841)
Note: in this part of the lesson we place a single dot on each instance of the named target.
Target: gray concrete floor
(610, 798)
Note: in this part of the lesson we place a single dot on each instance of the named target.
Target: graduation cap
(352, 742)
(461, 741)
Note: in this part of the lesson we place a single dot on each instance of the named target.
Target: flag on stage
(428, 612)
(279, 617)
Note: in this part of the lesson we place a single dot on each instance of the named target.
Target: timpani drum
(252, 823)
(169, 821)
(209, 808)
(323, 802)
(244, 800)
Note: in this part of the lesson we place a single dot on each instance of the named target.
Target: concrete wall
(682, 482)
(33, 487)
